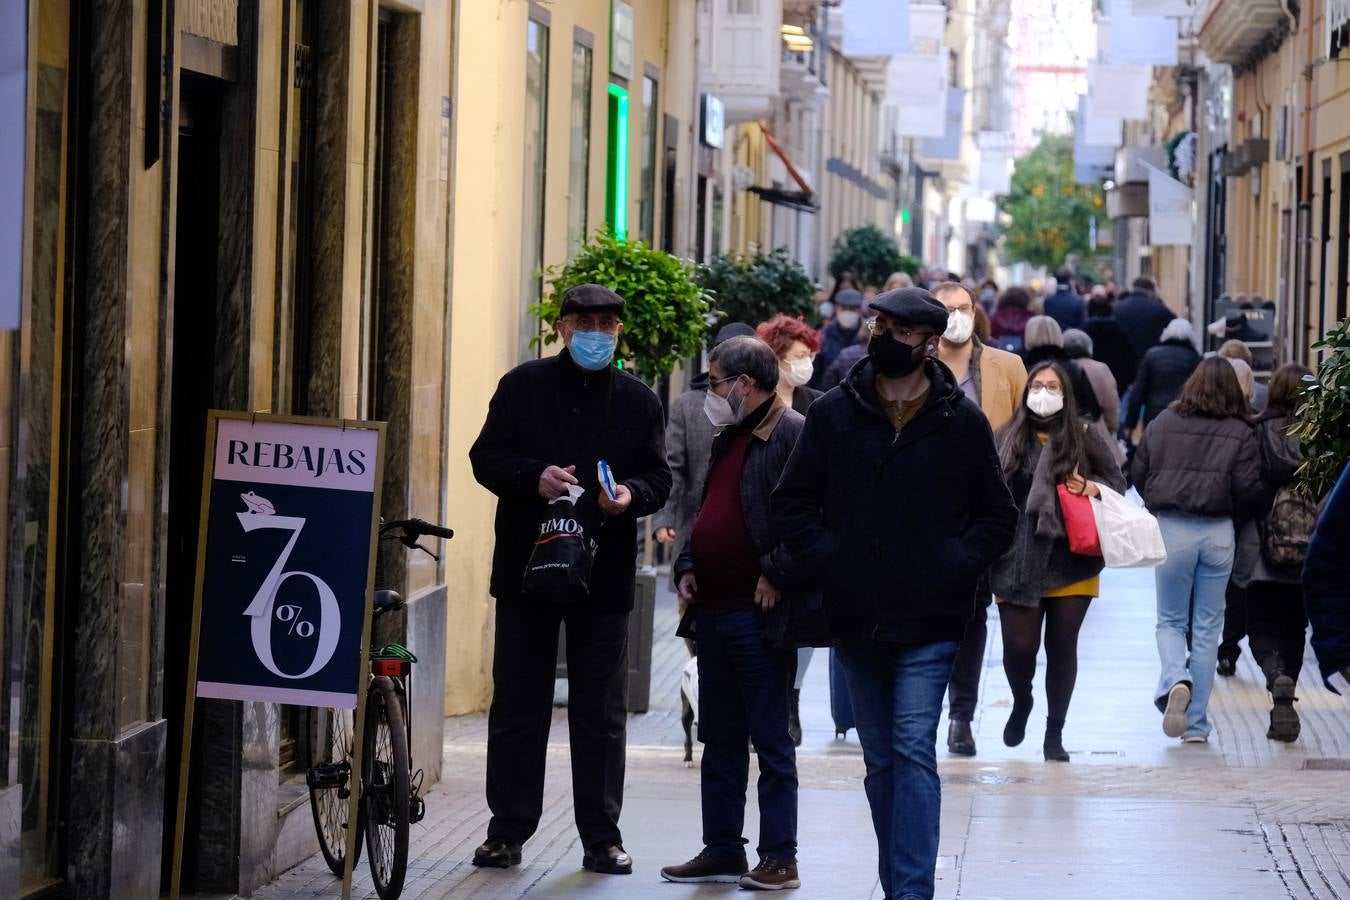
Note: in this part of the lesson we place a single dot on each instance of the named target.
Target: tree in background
(752, 289)
(871, 255)
(1048, 211)
(665, 308)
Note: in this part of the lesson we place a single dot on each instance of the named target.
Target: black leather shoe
(608, 859)
(497, 854)
(960, 740)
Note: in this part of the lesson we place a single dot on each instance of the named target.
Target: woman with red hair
(796, 345)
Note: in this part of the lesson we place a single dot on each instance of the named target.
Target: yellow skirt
(1088, 587)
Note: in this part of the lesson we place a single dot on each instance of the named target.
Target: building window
(647, 175)
(536, 115)
(579, 169)
(616, 168)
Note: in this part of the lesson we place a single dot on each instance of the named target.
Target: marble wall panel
(138, 811)
(142, 326)
(11, 828)
(426, 638)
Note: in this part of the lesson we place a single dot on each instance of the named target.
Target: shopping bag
(1129, 534)
(1079, 524)
(559, 570)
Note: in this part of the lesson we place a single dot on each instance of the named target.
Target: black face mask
(892, 358)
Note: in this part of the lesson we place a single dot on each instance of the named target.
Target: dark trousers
(1278, 622)
(1234, 622)
(522, 710)
(963, 691)
(743, 686)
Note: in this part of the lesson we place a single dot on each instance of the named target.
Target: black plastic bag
(559, 570)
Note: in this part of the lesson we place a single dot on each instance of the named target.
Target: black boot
(1054, 741)
(1016, 729)
(1284, 724)
(960, 740)
(795, 717)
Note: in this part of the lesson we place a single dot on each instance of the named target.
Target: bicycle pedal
(327, 776)
(417, 809)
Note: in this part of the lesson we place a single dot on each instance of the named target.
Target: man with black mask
(894, 494)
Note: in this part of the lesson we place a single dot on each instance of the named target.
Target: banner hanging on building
(875, 27)
(13, 128)
(1118, 92)
(927, 28)
(285, 564)
(1137, 39)
(1091, 162)
(948, 147)
(1177, 8)
(919, 84)
(1169, 210)
(995, 161)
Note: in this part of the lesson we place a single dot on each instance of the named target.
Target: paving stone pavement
(1134, 815)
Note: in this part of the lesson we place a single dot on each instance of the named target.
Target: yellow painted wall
(486, 198)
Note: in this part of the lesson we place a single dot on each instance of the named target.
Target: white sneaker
(1174, 718)
(1195, 739)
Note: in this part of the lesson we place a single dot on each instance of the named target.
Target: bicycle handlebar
(407, 531)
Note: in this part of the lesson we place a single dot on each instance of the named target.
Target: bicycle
(389, 793)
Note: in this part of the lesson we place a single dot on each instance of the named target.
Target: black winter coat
(899, 527)
(1158, 382)
(1110, 345)
(798, 619)
(1198, 466)
(549, 412)
(1326, 580)
(1143, 319)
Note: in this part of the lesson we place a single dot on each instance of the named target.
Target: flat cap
(731, 330)
(590, 298)
(848, 297)
(912, 306)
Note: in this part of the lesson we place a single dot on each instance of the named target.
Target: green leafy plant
(1048, 210)
(871, 255)
(665, 308)
(752, 289)
(1324, 415)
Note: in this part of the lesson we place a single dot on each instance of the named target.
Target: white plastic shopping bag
(1129, 534)
(689, 685)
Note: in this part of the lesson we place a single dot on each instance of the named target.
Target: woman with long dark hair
(1197, 469)
(1041, 585)
(1277, 620)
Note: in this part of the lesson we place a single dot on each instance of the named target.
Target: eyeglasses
(964, 308)
(876, 326)
(1052, 388)
(589, 322)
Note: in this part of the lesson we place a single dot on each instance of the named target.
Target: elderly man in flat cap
(548, 425)
(895, 493)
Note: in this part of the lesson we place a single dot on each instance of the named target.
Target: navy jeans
(743, 686)
(897, 691)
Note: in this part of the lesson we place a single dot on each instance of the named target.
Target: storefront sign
(1118, 92)
(948, 147)
(285, 570)
(876, 27)
(1169, 210)
(714, 121)
(1137, 39)
(917, 85)
(13, 121)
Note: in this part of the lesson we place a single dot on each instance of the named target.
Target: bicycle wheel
(330, 785)
(385, 789)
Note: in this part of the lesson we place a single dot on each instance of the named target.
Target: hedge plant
(1324, 415)
(752, 288)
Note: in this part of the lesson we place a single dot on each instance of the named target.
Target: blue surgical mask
(592, 350)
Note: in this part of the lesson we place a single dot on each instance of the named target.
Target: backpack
(1288, 528)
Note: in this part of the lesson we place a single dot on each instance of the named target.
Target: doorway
(192, 363)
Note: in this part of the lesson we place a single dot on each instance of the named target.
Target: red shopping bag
(1079, 523)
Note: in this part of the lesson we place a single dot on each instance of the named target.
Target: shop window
(647, 172)
(536, 117)
(579, 169)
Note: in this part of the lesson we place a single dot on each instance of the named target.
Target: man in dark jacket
(844, 330)
(895, 495)
(549, 423)
(1110, 344)
(1326, 582)
(1143, 315)
(1064, 305)
(739, 579)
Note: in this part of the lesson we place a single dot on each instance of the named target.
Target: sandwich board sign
(285, 572)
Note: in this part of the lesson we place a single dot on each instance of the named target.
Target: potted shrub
(752, 289)
(1324, 415)
(871, 255)
(665, 308)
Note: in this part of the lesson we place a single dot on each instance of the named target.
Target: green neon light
(618, 162)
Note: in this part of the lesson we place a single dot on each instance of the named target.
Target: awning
(803, 199)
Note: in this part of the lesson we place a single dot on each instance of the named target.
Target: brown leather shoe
(708, 868)
(771, 875)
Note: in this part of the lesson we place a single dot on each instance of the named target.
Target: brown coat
(1000, 378)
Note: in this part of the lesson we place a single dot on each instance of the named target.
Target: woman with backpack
(1197, 467)
(1274, 544)
(1042, 585)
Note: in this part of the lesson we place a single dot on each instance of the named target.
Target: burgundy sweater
(725, 565)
